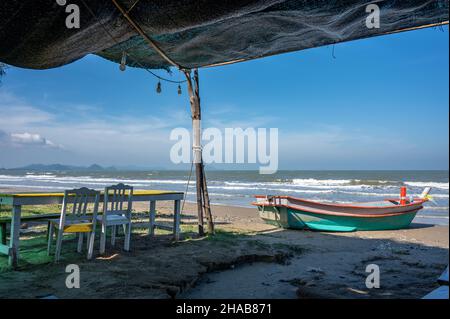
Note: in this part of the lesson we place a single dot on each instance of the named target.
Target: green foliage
(5, 210)
(33, 251)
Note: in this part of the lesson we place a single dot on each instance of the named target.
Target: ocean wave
(428, 207)
(229, 195)
(431, 216)
(314, 184)
(389, 194)
(235, 187)
(12, 177)
(353, 189)
(266, 189)
(42, 176)
(438, 185)
(32, 186)
(320, 182)
(86, 179)
(244, 183)
(301, 191)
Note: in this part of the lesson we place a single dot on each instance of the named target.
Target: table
(20, 199)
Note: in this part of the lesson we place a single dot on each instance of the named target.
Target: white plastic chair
(76, 220)
(116, 211)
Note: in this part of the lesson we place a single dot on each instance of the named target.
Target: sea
(237, 188)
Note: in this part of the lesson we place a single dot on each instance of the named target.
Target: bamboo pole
(206, 201)
(198, 173)
(196, 118)
(203, 203)
(150, 42)
(206, 204)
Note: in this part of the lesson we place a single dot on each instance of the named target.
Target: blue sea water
(237, 188)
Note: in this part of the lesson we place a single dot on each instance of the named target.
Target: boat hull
(297, 213)
(294, 219)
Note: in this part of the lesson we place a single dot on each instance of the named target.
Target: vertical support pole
(14, 240)
(176, 220)
(207, 204)
(203, 186)
(196, 118)
(198, 178)
(152, 212)
(203, 206)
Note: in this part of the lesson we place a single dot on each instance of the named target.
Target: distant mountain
(61, 167)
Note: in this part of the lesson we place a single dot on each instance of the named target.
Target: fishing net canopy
(195, 33)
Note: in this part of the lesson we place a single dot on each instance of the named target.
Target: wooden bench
(4, 221)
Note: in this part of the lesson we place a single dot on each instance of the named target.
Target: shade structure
(195, 33)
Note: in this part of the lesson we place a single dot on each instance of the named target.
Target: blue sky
(381, 103)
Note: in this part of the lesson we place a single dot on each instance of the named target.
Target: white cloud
(31, 139)
(25, 139)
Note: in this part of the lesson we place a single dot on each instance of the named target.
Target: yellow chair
(75, 220)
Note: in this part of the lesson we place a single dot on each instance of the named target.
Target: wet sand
(332, 265)
(249, 259)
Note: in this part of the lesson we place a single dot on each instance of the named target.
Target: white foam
(300, 191)
(428, 184)
(320, 182)
(86, 179)
(394, 195)
(234, 187)
(431, 216)
(31, 186)
(428, 207)
(38, 176)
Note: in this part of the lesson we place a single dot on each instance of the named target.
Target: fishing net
(195, 33)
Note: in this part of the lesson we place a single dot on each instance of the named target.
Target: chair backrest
(118, 200)
(75, 204)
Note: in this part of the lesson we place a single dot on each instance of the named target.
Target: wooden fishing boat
(296, 213)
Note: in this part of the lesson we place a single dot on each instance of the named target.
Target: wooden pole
(196, 117)
(206, 202)
(203, 206)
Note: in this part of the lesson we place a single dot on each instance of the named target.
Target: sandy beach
(246, 259)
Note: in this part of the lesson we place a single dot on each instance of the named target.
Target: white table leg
(152, 213)
(15, 233)
(176, 219)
